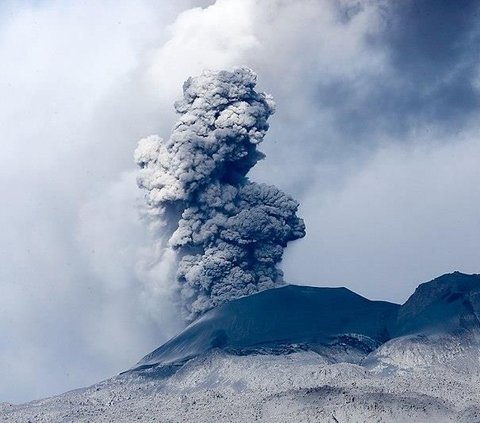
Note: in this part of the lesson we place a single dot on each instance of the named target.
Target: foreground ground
(299, 387)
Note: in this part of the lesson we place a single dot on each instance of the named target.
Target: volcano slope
(298, 354)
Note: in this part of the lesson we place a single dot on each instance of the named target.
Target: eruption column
(227, 232)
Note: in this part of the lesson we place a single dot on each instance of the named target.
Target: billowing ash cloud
(228, 233)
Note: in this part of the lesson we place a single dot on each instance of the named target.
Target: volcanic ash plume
(227, 232)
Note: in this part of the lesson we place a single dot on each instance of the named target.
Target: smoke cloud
(228, 233)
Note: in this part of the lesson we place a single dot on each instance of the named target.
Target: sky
(376, 133)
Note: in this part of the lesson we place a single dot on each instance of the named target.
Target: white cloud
(69, 312)
(215, 37)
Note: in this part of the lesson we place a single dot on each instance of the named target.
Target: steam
(227, 232)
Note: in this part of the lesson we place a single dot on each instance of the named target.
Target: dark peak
(280, 319)
(304, 289)
(457, 278)
(458, 281)
(441, 304)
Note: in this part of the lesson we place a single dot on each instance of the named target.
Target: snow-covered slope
(286, 356)
(294, 388)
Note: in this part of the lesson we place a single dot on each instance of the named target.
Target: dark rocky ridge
(449, 303)
(331, 321)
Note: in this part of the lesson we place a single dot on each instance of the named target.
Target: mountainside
(300, 354)
(438, 324)
(334, 322)
(287, 318)
(448, 304)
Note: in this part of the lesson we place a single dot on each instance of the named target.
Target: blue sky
(376, 134)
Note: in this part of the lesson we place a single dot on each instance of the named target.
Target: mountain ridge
(296, 317)
(272, 319)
